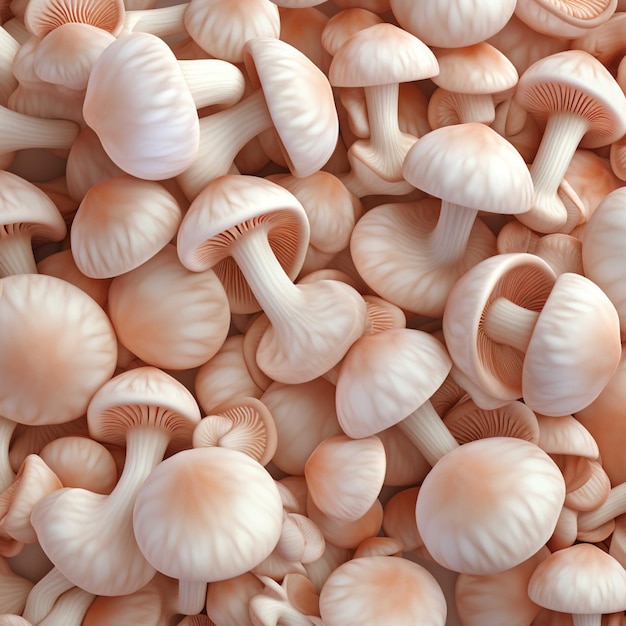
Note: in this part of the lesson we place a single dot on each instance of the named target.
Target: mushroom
(254, 234)
(582, 580)
(224, 522)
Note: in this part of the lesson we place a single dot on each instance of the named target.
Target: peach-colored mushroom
(224, 522)
(227, 600)
(254, 233)
(15, 590)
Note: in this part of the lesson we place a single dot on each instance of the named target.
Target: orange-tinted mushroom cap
(58, 347)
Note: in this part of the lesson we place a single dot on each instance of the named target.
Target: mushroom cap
(581, 580)
(574, 350)
(24, 205)
(225, 520)
(452, 23)
(143, 397)
(57, 345)
(300, 101)
(477, 69)
(138, 103)
(344, 24)
(385, 377)
(489, 504)
(168, 316)
(376, 590)
(470, 165)
(226, 208)
(120, 224)
(381, 54)
(573, 81)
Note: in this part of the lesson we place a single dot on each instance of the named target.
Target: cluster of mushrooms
(311, 313)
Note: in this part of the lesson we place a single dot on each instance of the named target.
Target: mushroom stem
(561, 137)
(614, 505)
(44, 595)
(475, 107)
(6, 472)
(427, 432)
(509, 324)
(587, 620)
(450, 236)
(161, 22)
(16, 252)
(191, 597)
(213, 81)
(70, 609)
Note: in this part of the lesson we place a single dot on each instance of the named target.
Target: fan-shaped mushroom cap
(224, 522)
(168, 316)
(72, 349)
(581, 580)
(121, 223)
(573, 81)
(490, 504)
(453, 23)
(377, 590)
(227, 208)
(300, 101)
(222, 28)
(144, 396)
(386, 377)
(149, 130)
(445, 164)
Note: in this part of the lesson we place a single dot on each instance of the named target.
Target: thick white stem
(191, 597)
(44, 594)
(450, 236)
(509, 324)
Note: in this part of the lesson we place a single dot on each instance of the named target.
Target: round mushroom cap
(138, 103)
(300, 101)
(57, 345)
(473, 166)
(573, 81)
(581, 580)
(120, 224)
(220, 514)
(380, 590)
(143, 397)
(382, 54)
(385, 377)
(489, 504)
(574, 350)
(344, 24)
(225, 210)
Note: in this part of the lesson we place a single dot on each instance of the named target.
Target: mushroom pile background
(311, 313)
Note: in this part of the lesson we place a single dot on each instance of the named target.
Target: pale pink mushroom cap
(344, 24)
(453, 23)
(300, 102)
(581, 580)
(58, 347)
(220, 515)
(379, 590)
(489, 504)
(121, 223)
(139, 105)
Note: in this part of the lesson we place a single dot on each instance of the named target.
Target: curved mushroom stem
(427, 432)
(614, 505)
(448, 240)
(510, 324)
(313, 324)
(44, 594)
(222, 136)
(69, 609)
(16, 252)
(191, 597)
(561, 137)
(213, 81)
(387, 145)
(161, 22)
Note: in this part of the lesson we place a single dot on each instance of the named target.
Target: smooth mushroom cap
(225, 521)
(300, 102)
(138, 103)
(377, 590)
(489, 504)
(581, 579)
(120, 224)
(228, 207)
(385, 377)
(344, 24)
(58, 348)
(168, 316)
(472, 166)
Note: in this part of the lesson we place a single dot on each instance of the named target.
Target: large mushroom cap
(300, 101)
(470, 165)
(57, 348)
(574, 81)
